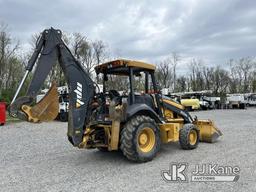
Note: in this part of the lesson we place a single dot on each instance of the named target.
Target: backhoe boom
(50, 48)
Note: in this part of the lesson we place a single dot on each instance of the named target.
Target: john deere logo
(78, 91)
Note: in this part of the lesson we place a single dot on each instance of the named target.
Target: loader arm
(51, 49)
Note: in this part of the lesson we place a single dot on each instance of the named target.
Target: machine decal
(78, 91)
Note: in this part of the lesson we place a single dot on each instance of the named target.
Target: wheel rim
(146, 140)
(192, 137)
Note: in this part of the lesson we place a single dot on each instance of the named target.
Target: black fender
(141, 109)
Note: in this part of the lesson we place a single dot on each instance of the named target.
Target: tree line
(236, 76)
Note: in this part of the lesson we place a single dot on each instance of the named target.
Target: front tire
(140, 139)
(189, 136)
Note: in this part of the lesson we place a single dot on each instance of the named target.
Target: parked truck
(203, 100)
(236, 101)
(250, 99)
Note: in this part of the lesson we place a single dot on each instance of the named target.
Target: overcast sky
(212, 30)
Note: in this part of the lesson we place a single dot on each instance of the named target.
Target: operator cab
(131, 82)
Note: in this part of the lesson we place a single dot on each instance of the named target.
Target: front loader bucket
(208, 131)
(46, 109)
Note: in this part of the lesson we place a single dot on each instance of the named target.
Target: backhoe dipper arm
(50, 49)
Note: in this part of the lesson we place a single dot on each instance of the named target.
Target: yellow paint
(168, 114)
(176, 120)
(115, 131)
(46, 109)
(86, 137)
(170, 102)
(169, 132)
(146, 140)
(192, 137)
(78, 105)
(193, 103)
(207, 130)
(27, 109)
(123, 62)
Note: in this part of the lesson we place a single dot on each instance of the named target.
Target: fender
(183, 113)
(141, 109)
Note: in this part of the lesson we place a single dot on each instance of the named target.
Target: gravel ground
(38, 157)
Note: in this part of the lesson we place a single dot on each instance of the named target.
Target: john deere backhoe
(136, 123)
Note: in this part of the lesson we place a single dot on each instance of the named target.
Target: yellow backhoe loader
(135, 122)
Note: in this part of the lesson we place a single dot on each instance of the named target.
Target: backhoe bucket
(46, 109)
(208, 131)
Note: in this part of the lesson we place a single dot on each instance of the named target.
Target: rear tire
(140, 139)
(189, 136)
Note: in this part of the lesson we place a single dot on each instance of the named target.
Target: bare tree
(78, 42)
(182, 84)
(174, 59)
(208, 75)
(242, 74)
(220, 80)
(99, 48)
(245, 66)
(233, 83)
(87, 52)
(196, 75)
(164, 73)
(8, 57)
(253, 82)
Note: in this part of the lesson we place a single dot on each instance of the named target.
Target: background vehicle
(195, 100)
(63, 103)
(214, 102)
(135, 123)
(250, 99)
(236, 101)
(190, 104)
